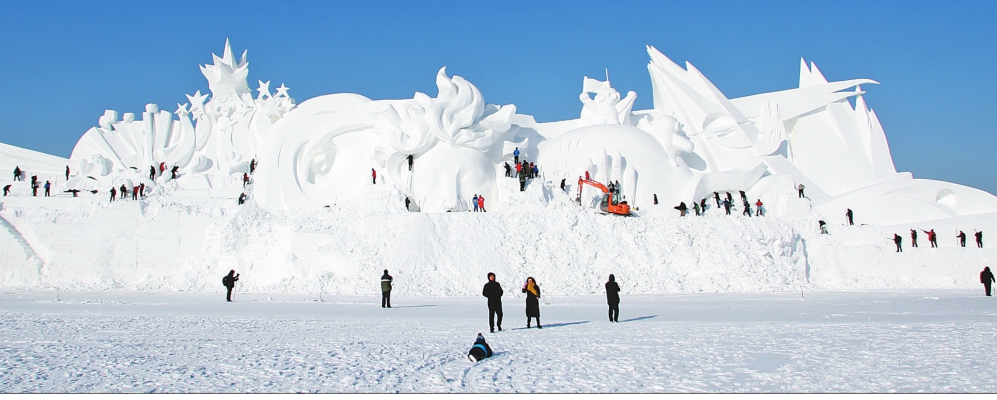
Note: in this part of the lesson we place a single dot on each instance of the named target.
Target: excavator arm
(608, 204)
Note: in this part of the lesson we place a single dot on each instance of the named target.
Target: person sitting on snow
(480, 350)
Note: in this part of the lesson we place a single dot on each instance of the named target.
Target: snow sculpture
(606, 108)
(438, 152)
(326, 148)
(214, 139)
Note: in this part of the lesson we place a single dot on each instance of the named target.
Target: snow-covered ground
(893, 341)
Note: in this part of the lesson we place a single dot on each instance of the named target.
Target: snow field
(916, 341)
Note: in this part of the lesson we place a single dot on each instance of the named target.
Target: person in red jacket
(245, 179)
(758, 208)
(931, 237)
(481, 203)
(373, 176)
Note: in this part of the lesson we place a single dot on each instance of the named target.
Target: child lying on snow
(480, 350)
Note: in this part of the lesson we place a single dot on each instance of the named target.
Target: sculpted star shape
(264, 90)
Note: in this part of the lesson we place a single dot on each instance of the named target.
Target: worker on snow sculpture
(726, 204)
(823, 227)
(532, 290)
(850, 216)
(979, 239)
(515, 156)
(386, 290)
(6, 190)
(229, 282)
(716, 196)
(962, 238)
(758, 208)
(913, 238)
(474, 203)
(480, 350)
(931, 237)
(987, 279)
(800, 189)
(898, 240)
(747, 208)
(682, 209)
(613, 298)
(173, 172)
(113, 193)
(493, 291)
(373, 176)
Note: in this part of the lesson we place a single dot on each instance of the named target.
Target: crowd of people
(727, 203)
(933, 239)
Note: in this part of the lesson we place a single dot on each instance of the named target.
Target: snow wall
(187, 240)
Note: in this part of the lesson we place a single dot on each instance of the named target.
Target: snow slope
(186, 240)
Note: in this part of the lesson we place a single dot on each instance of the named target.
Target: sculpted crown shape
(226, 77)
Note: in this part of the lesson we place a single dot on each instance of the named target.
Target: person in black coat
(493, 291)
(229, 282)
(613, 298)
(898, 240)
(532, 291)
(987, 279)
(480, 350)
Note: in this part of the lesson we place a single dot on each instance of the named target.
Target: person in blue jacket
(480, 350)
(515, 155)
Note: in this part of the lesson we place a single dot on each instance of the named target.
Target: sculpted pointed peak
(227, 77)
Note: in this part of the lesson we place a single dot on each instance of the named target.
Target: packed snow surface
(895, 341)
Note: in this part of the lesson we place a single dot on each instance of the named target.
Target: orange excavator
(610, 201)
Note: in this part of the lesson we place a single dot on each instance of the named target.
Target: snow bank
(182, 240)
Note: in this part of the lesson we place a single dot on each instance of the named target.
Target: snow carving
(214, 139)
(606, 107)
(436, 153)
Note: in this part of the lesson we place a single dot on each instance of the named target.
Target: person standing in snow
(34, 188)
(6, 190)
(67, 172)
(113, 193)
(508, 170)
(411, 162)
(562, 184)
(987, 279)
(134, 192)
(613, 298)
(386, 290)
(162, 168)
(515, 156)
(747, 208)
(373, 176)
(979, 239)
(532, 291)
(152, 173)
(913, 238)
(702, 206)
(758, 208)
(48, 188)
(522, 181)
(173, 172)
(586, 175)
(229, 282)
(480, 350)
(123, 193)
(962, 238)
(252, 166)
(695, 207)
(474, 202)
(481, 203)
(682, 209)
(800, 189)
(823, 227)
(141, 189)
(744, 196)
(726, 204)
(898, 240)
(245, 180)
(931, 237)
(493, 291)
(17, 174)
(716, 196)
(655, 199)
(242, 199)
(850, 215)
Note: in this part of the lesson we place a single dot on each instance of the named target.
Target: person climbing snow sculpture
(245, 180)
(386, 290)
(613, 298)
(747, 208)
(849, 215)
(152, 173)
(373, 176)
(532, 290)
(682, 209)
(800, 189)
(242, 199)
(411, 162)
(758, 208)
(480, 350)
(987, 279)
(173, 172)
(493, 292)
(229, 282)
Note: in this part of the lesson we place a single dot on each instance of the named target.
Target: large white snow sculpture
(326, 148)
(693, 142)
(209, 141)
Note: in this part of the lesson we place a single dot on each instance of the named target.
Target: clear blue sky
(64, 63)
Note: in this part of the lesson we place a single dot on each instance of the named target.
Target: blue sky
(64, 63)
